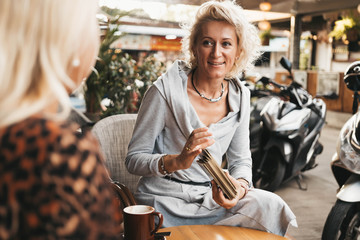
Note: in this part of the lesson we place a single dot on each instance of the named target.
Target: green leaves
(117, 77)
(127, 81)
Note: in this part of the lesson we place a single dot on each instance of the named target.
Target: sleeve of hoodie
(140, 159)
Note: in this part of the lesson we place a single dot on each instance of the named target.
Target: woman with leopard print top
(53, 184)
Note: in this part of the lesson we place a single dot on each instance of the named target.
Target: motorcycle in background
(286, 141)
(343, 221)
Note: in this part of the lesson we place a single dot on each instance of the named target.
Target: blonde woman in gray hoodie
(201, 104)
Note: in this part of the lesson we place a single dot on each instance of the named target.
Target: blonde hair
(230, 12)
(39, 40)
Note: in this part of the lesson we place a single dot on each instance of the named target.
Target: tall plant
(118, 77)
(148, 72)
(94, 90)
(128, 82)
(347, 28)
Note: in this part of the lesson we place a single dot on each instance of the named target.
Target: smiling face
(216, 49)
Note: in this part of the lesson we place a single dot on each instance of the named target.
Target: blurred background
(140, 39)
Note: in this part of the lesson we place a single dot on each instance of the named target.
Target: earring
(75, 62)
(236, 61)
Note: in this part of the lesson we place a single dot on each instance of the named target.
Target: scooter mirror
(264, 80)
(286, 64)
(352, 76)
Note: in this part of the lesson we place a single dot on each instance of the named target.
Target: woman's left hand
(219, 197)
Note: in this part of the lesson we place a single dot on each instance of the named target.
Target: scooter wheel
(272, 173)
(343, 222)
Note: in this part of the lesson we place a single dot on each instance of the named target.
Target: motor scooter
(343, 221)
(287, 142)
(259, 96)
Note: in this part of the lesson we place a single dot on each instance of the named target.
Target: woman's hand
(199, 139)
(219, 197)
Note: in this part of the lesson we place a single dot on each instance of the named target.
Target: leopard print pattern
(53, 184)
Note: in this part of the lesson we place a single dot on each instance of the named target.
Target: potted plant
(127, 81)
(346, 29)
(117, 77)
(94, 87)
(265, 37)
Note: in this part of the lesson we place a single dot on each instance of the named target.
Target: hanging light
(264, 25)
(170, 37)
(265, 6)
(358, 8)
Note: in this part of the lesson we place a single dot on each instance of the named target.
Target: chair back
(123, 194)
(114, 134)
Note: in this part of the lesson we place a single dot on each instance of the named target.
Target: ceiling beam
(285, 6)
(186, 2)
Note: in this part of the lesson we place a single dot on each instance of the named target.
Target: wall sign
(147, 42)
(327, 83)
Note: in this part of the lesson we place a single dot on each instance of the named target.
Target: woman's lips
(216, 64)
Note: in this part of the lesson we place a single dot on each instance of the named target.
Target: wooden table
(216, 232)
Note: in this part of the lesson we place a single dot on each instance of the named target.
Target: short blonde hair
(230, 12)
(39, 40)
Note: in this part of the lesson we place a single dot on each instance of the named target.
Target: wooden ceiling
(304, 7)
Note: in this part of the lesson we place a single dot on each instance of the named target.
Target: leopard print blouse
(53, 184)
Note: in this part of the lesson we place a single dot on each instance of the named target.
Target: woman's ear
(237, 59)
(193, 50)
(238, 54)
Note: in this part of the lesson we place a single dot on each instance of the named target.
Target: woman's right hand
(198, 140)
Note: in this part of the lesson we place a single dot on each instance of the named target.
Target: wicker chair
(114, 134)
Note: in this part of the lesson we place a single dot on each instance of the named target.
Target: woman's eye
(207, 43)
(226, 44)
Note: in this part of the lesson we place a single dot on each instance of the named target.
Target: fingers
(199, 144)
(220, 198)
(200, 138)
(218, 195)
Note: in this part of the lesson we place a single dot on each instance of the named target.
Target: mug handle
(160, 216)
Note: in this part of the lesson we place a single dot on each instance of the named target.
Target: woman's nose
(216, 50)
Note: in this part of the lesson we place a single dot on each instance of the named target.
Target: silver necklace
(212, 100)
